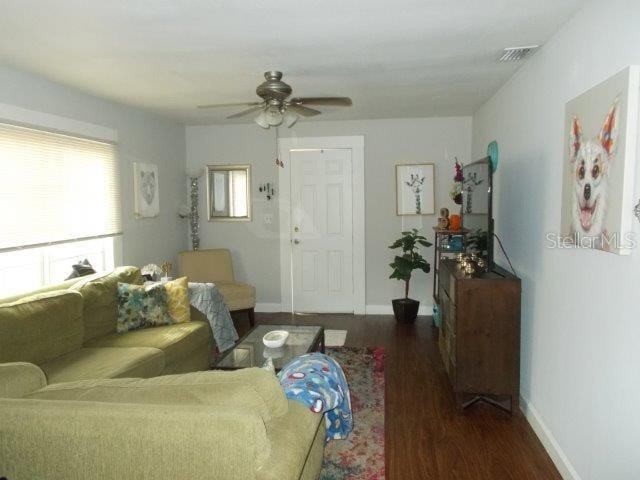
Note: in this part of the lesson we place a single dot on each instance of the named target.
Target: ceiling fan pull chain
(279, 162)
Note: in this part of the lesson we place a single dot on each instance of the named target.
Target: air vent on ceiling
(513, 54)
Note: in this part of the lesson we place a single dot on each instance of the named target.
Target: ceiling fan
(276, 107)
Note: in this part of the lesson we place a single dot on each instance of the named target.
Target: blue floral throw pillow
(141, 307)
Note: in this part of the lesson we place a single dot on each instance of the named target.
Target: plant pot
(405, 309)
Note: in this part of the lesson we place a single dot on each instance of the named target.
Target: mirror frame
(227, 168)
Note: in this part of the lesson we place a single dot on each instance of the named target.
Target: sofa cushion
(60, 439)
(142, 306)
(88, 363)
(65, 285)
(41, 327)
(100, 300)
(237, 296)
(19, 379)
(250, 390)
(178, 299)
(175, 340)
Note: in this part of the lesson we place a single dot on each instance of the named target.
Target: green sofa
(69, 331)
(71, 408)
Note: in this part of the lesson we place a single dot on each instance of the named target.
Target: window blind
(56, 188)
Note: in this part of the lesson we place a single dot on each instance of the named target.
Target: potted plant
(406, 309)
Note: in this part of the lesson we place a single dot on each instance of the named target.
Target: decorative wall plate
(494, 154)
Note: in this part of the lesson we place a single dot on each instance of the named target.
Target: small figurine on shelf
(443, 220)
(166, 267)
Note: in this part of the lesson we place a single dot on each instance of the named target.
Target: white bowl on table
(275, 338)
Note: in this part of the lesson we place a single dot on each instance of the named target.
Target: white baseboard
(369, 309)
(549, 442)
(388, 310)
(268, 307)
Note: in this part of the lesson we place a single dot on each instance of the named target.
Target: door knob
(296, 241)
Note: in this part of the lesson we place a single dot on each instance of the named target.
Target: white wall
(581, 330)
(141, 137)
(255, 245)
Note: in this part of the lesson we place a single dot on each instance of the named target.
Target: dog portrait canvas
(599, 164)
(146, 194)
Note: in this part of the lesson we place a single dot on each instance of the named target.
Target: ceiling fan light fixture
(290, 119)
(261, 119)
(273, 116)
(275, 106)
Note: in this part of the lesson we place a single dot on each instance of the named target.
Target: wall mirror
(229, 192)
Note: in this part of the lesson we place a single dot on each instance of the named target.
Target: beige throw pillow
(178, 299)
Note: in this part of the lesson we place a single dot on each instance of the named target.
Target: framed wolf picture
(145, 186)
(599, 164)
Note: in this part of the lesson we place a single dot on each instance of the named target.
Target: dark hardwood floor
(426, 438)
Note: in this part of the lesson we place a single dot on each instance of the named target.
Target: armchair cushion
(237, 296)
(19, 379)
(203, 266)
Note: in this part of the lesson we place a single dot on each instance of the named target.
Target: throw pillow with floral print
(142, 307)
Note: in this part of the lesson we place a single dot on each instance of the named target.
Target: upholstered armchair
(215, 266)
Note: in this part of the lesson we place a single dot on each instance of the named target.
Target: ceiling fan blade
(246, 112)
(304, 111)
(335, 101)
(239, 104)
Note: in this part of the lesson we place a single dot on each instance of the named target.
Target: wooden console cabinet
(479, 338)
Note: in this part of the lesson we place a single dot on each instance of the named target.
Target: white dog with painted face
(590, 162)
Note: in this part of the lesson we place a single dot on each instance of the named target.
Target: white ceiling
(401, 58)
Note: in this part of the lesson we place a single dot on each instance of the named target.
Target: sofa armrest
(51, 439)
(297, 444)
(248, 390)
(18, 379)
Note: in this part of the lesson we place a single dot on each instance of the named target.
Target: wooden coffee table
(249, 351)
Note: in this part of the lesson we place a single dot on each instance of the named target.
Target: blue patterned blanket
(317, 381)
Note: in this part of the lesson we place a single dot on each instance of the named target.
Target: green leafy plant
(410, 260)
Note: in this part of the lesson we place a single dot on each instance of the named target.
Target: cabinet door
(487, 338)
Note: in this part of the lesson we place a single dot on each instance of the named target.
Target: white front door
(322, 230)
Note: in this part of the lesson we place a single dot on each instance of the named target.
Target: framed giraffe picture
(415, 189)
